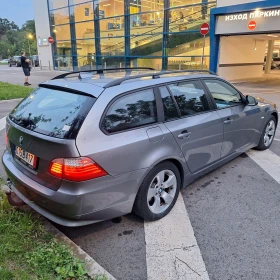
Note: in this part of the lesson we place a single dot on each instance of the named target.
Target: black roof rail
(101, 71)
(155, 75)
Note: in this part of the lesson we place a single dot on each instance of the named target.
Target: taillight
(76, 169)
(7, 140)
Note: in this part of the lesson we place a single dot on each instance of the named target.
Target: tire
(151, 200)
(10, 65)
(268, 134)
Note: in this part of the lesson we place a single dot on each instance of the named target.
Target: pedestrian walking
(25, 67)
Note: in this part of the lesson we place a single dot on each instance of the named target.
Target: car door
(239, 120)
(197, 129)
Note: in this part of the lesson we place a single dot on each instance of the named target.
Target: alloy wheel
(162, 191)
(269, 133)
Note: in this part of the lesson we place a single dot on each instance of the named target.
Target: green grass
(9, 91)
(28, 252)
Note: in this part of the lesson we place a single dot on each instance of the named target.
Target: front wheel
(158, 192)
(268, 134)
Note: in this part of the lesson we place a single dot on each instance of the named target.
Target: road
(233, 212)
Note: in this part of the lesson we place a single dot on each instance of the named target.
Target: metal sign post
(204, 30)
(202, 60)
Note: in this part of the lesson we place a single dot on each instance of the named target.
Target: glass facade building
(163, 34)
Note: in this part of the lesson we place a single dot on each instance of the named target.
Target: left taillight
(7, 140)
(76, 169)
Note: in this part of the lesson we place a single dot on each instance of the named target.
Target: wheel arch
(275, 115)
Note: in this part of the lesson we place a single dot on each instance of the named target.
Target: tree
(13, 40)
(6, 25)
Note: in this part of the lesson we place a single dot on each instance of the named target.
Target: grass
(28, 252)
(9, 91)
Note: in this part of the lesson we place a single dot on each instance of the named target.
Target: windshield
(52, 112)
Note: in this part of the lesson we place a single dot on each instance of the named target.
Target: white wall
(221, 3)
(240, 49)
(43, 30)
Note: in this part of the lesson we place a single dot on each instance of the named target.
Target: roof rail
(101, 71)
(155, 75)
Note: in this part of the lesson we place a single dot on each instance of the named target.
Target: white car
(4, 61)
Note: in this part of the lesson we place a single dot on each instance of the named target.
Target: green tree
(6, 25)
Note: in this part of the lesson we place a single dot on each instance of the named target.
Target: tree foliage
(13, 39)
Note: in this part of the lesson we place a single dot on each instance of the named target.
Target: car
(273, 64)
(15, 60)
(34, 60)
(4, 61)
(277, 61)
(93, 145)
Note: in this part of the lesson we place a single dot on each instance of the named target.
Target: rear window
(53, 112)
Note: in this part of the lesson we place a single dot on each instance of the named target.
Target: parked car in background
(277, 61)
(4, 61)
(34, 60)
(100, 145)
(273, 64)
(14, 61)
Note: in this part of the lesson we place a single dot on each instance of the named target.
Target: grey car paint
(127, 156)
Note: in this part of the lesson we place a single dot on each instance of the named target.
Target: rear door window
(52, 112)
(190, 97)
(131, 111)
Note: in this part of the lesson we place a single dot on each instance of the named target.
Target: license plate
(26, 158)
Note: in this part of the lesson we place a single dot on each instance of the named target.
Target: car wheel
(10, 65)
(268, 134)
(158, 192)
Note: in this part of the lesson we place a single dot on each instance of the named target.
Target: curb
(11, 100)
(92, 267)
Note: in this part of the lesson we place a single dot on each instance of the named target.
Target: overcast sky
(18, 11)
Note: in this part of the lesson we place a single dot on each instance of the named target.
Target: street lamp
(29, 38)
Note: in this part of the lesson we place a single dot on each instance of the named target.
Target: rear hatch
(43, 127)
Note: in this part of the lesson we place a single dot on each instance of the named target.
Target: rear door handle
(184, 134)
(228, 121)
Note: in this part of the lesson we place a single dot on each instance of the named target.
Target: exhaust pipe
(13, 199)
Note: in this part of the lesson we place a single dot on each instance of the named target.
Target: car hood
(266, 102)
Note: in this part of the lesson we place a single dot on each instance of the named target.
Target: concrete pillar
(269, 56)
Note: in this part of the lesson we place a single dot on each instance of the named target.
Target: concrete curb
(11, 100)
(92, 267)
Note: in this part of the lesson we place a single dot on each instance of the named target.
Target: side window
(223, 94)
(170, 110)
(190, 97)
(130, 111)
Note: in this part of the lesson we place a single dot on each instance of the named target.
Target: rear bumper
(77, 204)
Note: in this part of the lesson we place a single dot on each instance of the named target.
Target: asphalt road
(234, 212)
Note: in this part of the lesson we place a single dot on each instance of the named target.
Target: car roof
(121, 82)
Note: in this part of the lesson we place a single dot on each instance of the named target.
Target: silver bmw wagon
(93, 145)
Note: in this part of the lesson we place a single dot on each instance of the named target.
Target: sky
(18, 11)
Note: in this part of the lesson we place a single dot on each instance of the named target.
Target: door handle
(228, 121)
(184, 134)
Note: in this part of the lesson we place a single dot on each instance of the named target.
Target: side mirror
(251, 101)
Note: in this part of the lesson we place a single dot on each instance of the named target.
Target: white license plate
(26, 157)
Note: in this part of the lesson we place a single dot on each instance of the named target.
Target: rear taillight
(76, 169)
(7, 140)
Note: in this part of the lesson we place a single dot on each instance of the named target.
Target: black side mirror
(251, 101)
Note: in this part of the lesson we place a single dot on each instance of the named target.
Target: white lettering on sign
(256, 14)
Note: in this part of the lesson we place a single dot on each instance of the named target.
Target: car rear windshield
(53, 112)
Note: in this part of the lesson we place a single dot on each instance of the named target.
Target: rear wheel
(158, 192)
(268, 134)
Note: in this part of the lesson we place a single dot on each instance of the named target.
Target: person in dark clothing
(25, 67)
